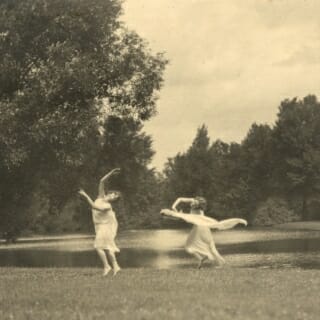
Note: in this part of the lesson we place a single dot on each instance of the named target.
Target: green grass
(229, 293)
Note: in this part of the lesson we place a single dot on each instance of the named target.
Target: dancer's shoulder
(102, 203)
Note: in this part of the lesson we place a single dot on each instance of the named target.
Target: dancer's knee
(100, 251)
(111, 255)
(189, 250)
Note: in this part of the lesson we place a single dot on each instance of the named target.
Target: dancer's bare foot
(201, 262)
(106, 271)
(221, 263)
(116, 270)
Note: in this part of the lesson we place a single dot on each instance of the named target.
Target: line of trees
(272, 176)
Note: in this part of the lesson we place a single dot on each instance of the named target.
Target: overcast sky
(231, 63)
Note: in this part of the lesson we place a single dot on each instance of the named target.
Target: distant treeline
(272, 176)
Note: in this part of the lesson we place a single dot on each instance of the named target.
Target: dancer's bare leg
(202, 261)
(103, 258)
(198, 256)
(216, 254)
(112, 258)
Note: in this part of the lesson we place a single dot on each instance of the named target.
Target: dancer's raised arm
(181, 200)
(100, 206)
(101, 189)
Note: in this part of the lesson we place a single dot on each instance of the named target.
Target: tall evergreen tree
(187, 174)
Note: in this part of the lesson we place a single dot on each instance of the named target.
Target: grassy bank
(291, 226)
(229, 293)
(300, 225)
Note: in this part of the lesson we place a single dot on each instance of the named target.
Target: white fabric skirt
(105, 236)
(199, 241)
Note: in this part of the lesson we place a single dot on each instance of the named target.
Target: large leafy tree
(65, 66)
(296, 139)
(257, 163)
(229, 186)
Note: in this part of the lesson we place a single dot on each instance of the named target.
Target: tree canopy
(274, 171)
(66, 66)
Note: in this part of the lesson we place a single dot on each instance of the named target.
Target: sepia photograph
(159, 159)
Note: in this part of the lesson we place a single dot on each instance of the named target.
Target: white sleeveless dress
(106, 227)
(199, 241)
(200, 238)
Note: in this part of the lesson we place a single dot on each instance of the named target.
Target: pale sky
(231, 64)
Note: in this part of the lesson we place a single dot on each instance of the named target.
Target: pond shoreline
(290, 227)
(300, 225)
(158, 249)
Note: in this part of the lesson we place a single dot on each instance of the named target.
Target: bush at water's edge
(274, 211)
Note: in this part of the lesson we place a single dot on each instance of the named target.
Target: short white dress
(199, 241)
(106, 227)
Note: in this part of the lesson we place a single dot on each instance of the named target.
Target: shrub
(274, 211)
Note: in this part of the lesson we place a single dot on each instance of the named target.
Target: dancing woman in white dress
(105, 224)
(200, 242)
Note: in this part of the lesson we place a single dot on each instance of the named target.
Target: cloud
(307, 55)
(231, 63)
(287, 13)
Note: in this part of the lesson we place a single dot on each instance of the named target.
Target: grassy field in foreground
(229, 293)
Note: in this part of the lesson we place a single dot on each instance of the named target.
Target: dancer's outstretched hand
(162, 212)
(82, 192)
(115, 171)
(165, 212)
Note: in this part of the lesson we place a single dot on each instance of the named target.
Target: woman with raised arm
(200, 242)
(105, 224)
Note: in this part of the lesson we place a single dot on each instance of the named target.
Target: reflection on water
(164, 249)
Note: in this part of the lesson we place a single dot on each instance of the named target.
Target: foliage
(126, 146)
(296, 139)
(66, 65)
(274, 211)
(280, 162)
(187, 173)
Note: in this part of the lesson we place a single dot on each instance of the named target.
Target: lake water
(163, 249)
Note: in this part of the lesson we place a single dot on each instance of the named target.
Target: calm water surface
(164, 249)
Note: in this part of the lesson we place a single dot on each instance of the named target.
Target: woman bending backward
(200, 242)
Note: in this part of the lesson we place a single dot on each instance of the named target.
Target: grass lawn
(210, 293)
